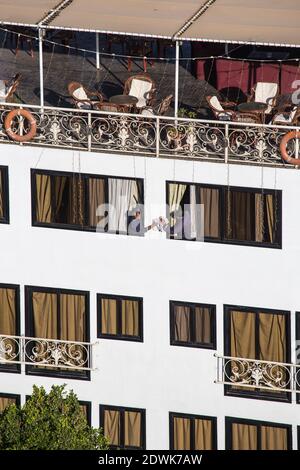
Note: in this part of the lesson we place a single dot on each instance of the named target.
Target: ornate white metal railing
(263, 375)
(50, 353)
(158, 136)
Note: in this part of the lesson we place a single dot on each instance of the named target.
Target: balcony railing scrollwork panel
(257, 374)
(157, 136)
(49, 353)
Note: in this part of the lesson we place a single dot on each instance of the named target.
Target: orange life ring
(26, 115)
(283, 147)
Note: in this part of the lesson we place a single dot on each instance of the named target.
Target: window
(298, 348)
(86, 408)
(192, 432)
(124, 427)
(7, 399)
(9, 325)
(193, 325)
(4, 204)
(232, 215)
(120, 317)
(243, 434)
(261, 334)
(85, 202)
(57, 314)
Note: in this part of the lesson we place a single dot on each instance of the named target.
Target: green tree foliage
(49, 421)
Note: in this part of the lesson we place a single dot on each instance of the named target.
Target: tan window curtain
(203, 333)
(43, 198)
(7, 312)
(76, 207)
(203, 434)
(44, 315)
(130, 317)
(132, 428)
(259, 218)
(111, 426)
(182, 323)
(109, 316)
(272, 337)
(1, 197)
(176, 193)
(273, 438)
(244, 437)
(5, 402)
(72, 317)
(242, 334)
(182, 433)
(96, 199)
(270, 209)
(239, 214)
(209, 197)
(84, 410)
(60, 183)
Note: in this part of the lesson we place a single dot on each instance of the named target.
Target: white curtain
(122, 197)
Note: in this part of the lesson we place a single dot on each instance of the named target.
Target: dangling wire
(80, 182)
(229, 227)
(262, 205)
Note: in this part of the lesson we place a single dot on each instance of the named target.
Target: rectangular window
(244, 434)
(4, 195)
(120, 317)
(247, 216)
(262, 334)
(125, 428)
(86, 408)
(9, 326)
(192, 432)
(7, 399)
(57, 314)
(86, 202)
(193, 325)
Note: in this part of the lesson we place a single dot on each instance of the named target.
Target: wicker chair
(264, 92)
(142, 87)
(9, 87)
(222, 114)
(160, 110)
(82, 97)
(107, 107)
(287, 116)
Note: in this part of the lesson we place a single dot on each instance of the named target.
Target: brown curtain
(203, 325)
(72, 317)
(270, 210)
(242, 334)
(132, 428)
(176, 193)
(259, 218)
(7, 312)
(182, 323)
(96, 199)
(130, 317)
(239, 214)
(45, 315)
(109, 316)
(60, 183)
(203, 434)
(273, 438)
(244, 437)
(182, 434)
(210, 199)
(111, 426)
(1, 197)
(272, 337)
(76, 207)
(84, 410)
(5, 402)
(43, 198)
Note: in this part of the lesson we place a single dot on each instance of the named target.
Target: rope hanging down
(124, 56)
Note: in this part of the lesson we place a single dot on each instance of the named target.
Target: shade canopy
(272, 22)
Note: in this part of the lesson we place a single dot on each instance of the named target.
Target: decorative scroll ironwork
(258, 374)
(45, 352)
(158, 136)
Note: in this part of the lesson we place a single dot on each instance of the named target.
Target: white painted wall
(152, 374)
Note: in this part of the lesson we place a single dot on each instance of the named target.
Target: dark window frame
(88, 405)
(12, 396)
(29, 328)
(191, 344)
(121, 410)
(5, 186)
(13, 368)
(85, 178)
(257, 394)
(229, 420)
(222, 194)
(119, 335)
(192, 418)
